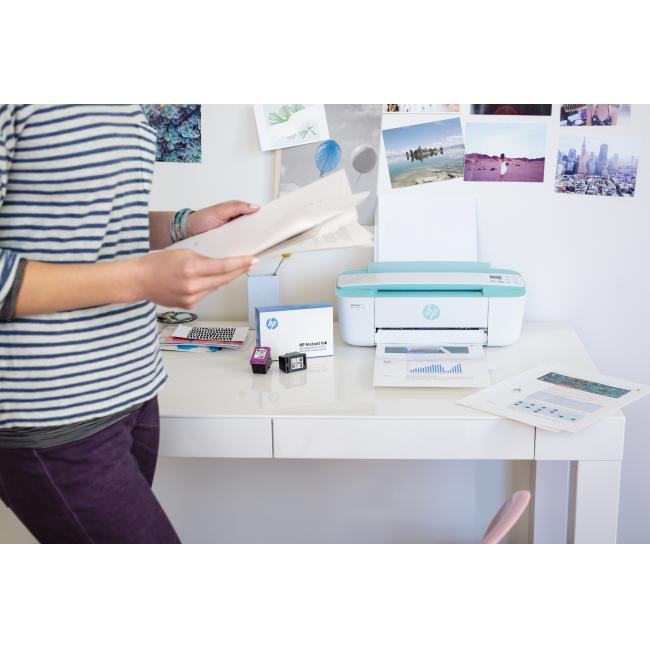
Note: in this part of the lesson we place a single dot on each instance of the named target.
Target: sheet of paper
(425, 227)
(560, 399)
(447, 366)
(290, 125)
(279, 220)
(340, 232)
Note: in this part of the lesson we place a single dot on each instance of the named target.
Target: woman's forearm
(159, 236)
(174, 278)
(48, 288)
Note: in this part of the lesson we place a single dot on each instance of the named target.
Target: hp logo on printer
(271, 323)
(431, 312)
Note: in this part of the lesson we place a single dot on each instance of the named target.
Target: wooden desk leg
(593, 501)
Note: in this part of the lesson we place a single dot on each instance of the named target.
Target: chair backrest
(509, 514)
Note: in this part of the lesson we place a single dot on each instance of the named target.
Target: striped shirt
(74, 187)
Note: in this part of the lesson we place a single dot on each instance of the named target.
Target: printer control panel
(429, 278)
(509, 279)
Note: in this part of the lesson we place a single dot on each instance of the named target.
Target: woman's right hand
(182, 278)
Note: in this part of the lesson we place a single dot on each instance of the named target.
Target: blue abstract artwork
(178, 130)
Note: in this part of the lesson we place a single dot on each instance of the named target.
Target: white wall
(585, 260)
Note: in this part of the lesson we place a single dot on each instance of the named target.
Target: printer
(430, 302)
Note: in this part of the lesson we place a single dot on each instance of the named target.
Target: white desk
(213, 406)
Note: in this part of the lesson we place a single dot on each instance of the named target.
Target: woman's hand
(182, 278)
(218, 215)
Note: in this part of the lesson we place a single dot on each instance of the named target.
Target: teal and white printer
(432, 302)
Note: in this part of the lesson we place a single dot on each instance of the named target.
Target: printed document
(447, 366)
(311, 212)
(559, 399)
(340, 232)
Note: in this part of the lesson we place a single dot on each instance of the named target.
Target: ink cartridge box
(296, 328)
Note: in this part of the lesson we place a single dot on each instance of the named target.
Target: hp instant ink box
(296, 328)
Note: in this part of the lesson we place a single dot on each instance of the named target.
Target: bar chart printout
(429, 366)
(436, 368)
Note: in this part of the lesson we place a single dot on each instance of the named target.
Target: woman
(503, 168)
(602, 115)
(80, 365)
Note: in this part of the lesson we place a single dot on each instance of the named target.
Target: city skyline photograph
(597, 165)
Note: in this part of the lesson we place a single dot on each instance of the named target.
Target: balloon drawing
(328, 156)
(363, 159)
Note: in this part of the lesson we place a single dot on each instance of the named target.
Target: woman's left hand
(217, 215)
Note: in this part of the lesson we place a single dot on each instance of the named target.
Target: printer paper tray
(431, 336)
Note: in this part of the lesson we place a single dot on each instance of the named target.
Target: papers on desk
(558, 399)
(447, 366)
(318, 216)
(209, 338)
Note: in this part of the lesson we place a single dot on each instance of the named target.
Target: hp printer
(432, 302)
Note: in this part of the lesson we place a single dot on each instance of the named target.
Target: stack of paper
(449, 366)
(319, 216)
(201, 338)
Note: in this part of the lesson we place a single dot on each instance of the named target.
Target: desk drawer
(402, 439)
(216, 437)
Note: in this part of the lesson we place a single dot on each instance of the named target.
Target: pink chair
(509, 514)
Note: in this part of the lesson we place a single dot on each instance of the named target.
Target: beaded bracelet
(178, 225)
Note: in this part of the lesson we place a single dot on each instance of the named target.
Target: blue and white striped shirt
(74, 187)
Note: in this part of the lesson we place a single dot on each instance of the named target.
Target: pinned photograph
(421, 108)
(505, 152)
(178, 131)
(290, 125)
(355, 130)
(424, 153)
(597, 165)
(595, 114)
(511, 109)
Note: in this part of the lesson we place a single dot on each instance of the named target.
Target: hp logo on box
(271, 323)
(431, 312)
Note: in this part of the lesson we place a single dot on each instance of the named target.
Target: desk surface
(221, 384)
(213, 406)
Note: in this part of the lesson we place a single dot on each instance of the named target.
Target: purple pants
(96, 490)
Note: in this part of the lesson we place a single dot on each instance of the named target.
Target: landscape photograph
(424, 153)
(505, 152)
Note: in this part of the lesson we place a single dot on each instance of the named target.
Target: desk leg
(593, 501)
(548, 512)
